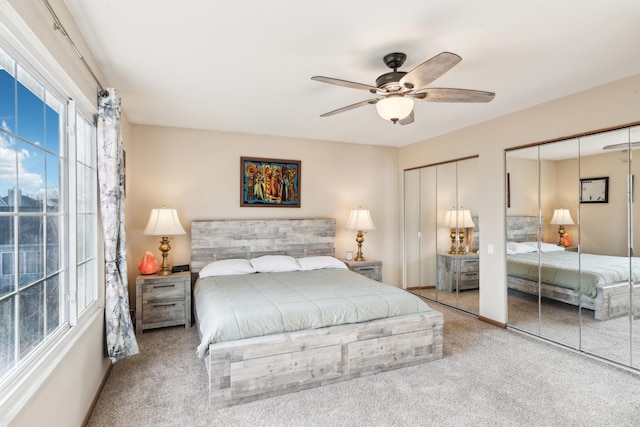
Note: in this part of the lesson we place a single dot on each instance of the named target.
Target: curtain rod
(57, 25)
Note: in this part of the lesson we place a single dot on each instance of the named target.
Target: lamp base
(359, 239)
(461, 241)
(165, 270)
(454, 249)
(561, 233)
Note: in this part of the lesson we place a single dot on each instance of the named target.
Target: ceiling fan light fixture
(394, 108)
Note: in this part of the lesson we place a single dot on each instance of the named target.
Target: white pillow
(227, 267)
(319, 262)
(519, 248)
(275, 264)
(544, 247)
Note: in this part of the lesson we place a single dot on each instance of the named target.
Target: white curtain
(120, 334)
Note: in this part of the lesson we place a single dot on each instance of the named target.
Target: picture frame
(269, 182)
(594, 190)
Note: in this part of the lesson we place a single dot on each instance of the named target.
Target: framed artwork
(269, 182)
(594, 190)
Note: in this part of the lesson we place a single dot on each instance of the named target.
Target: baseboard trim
(492, 322)
(97, 396)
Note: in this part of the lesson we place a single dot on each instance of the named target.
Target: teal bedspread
(243, 306)
(584, 272)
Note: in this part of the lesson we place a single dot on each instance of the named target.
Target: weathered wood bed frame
(611, 300)
(256, 368)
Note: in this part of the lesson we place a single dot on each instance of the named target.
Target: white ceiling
(246, 66)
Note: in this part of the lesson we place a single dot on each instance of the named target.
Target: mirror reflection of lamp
(562, 217)
(458, 220)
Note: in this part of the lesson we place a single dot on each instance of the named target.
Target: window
(86, 213)
(47, 198)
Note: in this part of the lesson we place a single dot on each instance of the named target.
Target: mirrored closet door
(441, 233)
(571, 274)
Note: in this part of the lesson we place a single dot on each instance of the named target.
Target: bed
(596, 282)
(247, 361)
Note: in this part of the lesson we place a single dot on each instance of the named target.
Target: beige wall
(198, 173)
(603, 107)
(560, 188)
(603, 226)
(525, 196)
(66, 395)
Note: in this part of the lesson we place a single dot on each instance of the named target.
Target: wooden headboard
(522, 228)
(213, 240)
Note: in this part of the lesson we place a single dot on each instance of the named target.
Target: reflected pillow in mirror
(544, 247)
(519, 248)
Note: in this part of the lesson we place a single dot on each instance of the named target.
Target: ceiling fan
(398, 89)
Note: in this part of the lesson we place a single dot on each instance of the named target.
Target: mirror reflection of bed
(584, 295)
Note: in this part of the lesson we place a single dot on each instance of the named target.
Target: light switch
(490, 249)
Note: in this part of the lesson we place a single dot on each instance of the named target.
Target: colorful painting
(269, 182)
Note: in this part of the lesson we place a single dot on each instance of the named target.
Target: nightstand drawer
(163, 310)
(371, 269)
(157, 291)
(469, 275)
(469, 265)
(372, 272)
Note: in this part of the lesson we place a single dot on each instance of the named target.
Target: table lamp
(164, 222)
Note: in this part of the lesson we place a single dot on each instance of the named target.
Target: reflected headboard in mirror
(475, 245)
(522, 228)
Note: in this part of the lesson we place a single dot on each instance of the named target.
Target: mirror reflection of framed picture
(594, 190)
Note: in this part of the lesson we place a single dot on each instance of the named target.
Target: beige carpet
(488, 376)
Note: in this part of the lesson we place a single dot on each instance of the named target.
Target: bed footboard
(261, 367)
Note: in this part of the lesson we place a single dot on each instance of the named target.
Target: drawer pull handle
(164, 305)
(164, 286)
(366, 269)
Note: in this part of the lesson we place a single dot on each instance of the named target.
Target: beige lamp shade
(164, 222)
(458, 218)
(561, 217)
(360, 219)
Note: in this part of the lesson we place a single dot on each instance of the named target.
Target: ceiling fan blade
(414, 95)
(350, 107)
(430, 70)
(344, 83)
(407, 120)
(455, 95)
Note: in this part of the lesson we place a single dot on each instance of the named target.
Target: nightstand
(163, 301)
(372, 269)
(459, 272)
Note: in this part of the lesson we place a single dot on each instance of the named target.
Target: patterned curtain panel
(121, 337)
